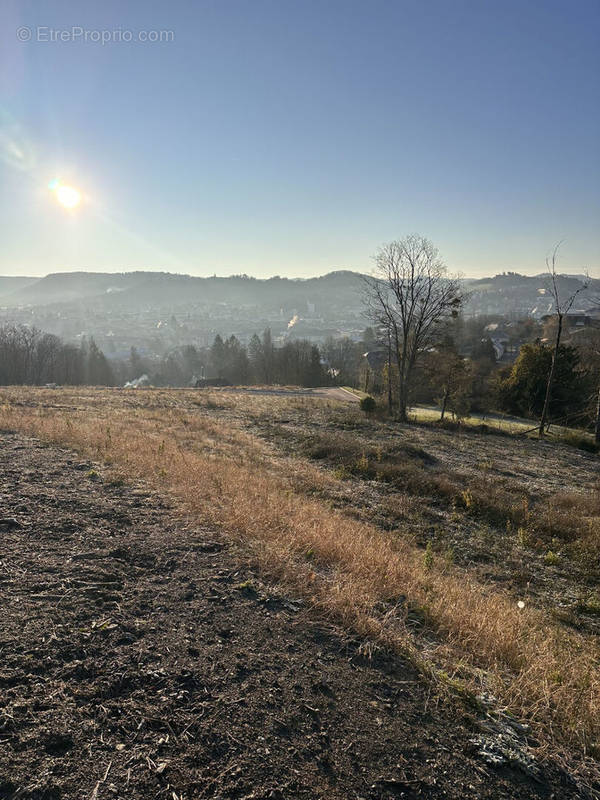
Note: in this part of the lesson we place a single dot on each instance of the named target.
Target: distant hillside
(334, 292)
(63, 287)
(135, 290)
(8, 285)
(525, 294)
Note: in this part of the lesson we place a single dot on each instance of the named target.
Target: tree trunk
(389, 375)
(400, 361)
(403, 391)
(402, 415)
(409, 364)
(550, 379)
(445, 402)
(597, 430)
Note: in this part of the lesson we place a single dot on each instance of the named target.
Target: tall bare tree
(411, 295)
(561, 308)
(591, 355)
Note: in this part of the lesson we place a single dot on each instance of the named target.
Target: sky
(293, 137)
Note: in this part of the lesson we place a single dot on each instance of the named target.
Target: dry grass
(571, 517)
(346, 568)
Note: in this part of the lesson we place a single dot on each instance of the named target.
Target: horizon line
(158, 271)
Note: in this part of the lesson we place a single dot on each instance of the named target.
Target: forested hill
(527, 294)
(134, 290)
(11, 284)
(336, 291)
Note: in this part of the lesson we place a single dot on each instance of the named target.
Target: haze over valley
(155, 311)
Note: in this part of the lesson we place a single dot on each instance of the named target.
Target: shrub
(589, 604)
(362, 464)
(368, 404)
(428, 557)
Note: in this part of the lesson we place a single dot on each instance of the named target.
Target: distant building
(573, 319)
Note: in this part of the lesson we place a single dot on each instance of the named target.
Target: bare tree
(389, 370)
(410, 295)
(561, 308)
(591, 355)
(45, 361)
(29, 357)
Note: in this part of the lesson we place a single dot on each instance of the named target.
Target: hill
(525, 294)
(9, 285)
(134, 290)
(335, 291)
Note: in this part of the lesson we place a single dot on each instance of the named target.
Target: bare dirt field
(459, 570)
(140, 660)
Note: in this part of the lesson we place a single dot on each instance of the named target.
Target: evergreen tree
(99, 372)
(136, 364)
(217, 356)
(523, 391)
(255, 357)
(268, 355)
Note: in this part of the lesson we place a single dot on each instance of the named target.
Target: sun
(67, 196)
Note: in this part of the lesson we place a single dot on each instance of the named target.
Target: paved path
(327, 392)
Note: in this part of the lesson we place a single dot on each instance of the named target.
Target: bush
(368, 404)
(551, 558)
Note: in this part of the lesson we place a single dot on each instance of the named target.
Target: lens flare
(67, 196)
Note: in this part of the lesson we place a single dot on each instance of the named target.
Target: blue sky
(292, 138)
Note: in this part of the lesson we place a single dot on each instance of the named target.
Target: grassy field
(505, 423)
(474, 554)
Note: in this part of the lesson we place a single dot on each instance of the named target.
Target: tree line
(458, 371)
(29, 356)
(295, 362)
(419, 349)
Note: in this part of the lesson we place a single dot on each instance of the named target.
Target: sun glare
(67, 196)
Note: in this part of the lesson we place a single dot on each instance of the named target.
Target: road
(326, 392)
